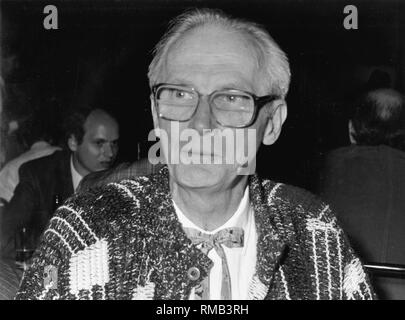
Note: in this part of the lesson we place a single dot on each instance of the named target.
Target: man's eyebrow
(180, 82)
(240, 85)
(237, 85)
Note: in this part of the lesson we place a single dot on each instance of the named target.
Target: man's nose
(202, 118)
(108, 150)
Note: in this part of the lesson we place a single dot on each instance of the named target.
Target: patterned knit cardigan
(124, 241)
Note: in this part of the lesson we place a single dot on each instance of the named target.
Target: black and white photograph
(202, 150)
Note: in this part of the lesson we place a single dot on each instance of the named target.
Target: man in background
(91, 136)
(365, 182)
(37, 141)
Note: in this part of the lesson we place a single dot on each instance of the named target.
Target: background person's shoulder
(44, 163)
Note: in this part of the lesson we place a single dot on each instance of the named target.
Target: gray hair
(273, 60)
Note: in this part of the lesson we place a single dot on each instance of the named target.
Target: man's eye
(233, 99)
(230, 98)
(180, 94)
(168, 94)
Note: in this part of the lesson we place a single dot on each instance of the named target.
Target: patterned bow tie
(231, 238)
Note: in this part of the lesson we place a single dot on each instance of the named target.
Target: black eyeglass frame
(259, 102)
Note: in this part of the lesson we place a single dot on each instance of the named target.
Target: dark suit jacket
(33, 202)
(367, 186)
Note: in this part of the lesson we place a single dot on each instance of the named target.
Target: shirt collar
(239, 219)
(76, 176)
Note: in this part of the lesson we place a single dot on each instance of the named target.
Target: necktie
(230, 237)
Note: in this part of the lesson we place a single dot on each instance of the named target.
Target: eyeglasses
(230, 108)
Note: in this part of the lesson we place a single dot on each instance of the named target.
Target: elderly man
(202, 230)
(365, 182)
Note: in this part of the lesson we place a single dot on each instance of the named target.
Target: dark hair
(74, 122)
(379, 118)
(378, 79)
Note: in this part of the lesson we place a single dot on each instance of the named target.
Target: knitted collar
(175, 252)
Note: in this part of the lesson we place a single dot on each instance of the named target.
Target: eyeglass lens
(230, 108)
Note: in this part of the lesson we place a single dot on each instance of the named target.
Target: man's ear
(154, 115)
(273, 128)
(352, 133)
(72, 143)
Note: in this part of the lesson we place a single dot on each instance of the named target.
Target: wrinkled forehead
(212, 45)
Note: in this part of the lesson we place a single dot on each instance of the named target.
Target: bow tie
(231, 238)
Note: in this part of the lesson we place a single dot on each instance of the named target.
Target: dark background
(102, 49)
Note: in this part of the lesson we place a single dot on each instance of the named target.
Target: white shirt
(241, 261)
(76, 176)
(9, 177)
